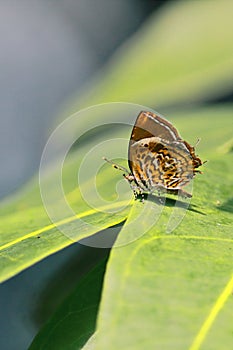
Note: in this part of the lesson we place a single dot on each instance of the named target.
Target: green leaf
(74, 321)
(26, 233)
(181, 55)
(193, 64)
(164, 290)
(160, 289)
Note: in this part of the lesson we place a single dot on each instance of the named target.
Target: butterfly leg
(137, 191)
(134, 188)
(180, 192)
(142, 194)
(160, 191)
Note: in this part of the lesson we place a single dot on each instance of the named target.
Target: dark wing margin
(149, 124)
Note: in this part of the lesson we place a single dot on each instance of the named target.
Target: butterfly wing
(147, 125)
(158, 163)
(157, 155)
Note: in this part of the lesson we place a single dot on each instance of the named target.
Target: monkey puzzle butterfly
(159, 159)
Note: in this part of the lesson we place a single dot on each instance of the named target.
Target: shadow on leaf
(170, 202)
(226, 206)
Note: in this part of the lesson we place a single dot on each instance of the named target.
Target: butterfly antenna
(116, 166)
(197, 142)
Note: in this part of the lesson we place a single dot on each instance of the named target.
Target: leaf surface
(166, 290)
(174, 290)
(74, 321)
(26, 233)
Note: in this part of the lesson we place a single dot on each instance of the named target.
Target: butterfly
(159, 159)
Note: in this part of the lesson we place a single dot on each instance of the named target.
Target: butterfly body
(158, 158)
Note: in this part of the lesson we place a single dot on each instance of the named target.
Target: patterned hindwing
(149, 124)
(158, 163)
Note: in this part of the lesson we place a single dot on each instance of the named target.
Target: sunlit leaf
(161, 289)
(174, 290)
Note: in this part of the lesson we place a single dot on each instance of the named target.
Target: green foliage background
(161, 290)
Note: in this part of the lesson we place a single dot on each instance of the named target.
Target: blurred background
(49, 49)
(57, 56)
